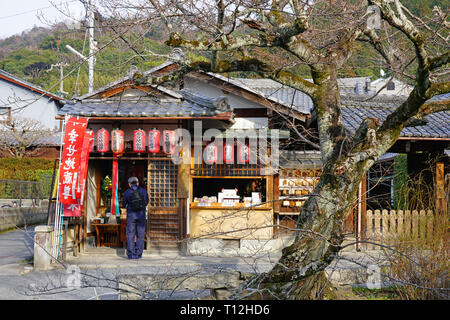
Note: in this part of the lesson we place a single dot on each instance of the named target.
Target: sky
(20, 15)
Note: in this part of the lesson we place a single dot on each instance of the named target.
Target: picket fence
(390, 226)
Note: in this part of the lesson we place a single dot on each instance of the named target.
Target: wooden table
(108, 235)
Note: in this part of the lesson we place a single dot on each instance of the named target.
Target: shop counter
(213, 220)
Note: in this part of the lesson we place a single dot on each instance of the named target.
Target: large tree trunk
(299, 273)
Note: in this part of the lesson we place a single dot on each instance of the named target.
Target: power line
(34, 10)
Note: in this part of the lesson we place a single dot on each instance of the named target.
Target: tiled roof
(193, 105)
(291, 97)
(277, 92)
(437, 124)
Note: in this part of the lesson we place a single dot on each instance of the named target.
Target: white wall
(40, 108)
(235, 101)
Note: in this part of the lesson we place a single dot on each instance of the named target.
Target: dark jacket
(127, 195)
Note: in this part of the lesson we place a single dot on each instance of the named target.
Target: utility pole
(61, 66)
(92, 46)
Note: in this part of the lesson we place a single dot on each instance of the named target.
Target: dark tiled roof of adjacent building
(192, 105)
(291, 97)
(435, 125)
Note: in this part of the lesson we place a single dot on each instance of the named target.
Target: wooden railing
(390, 226)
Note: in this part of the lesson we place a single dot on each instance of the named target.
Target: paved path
(16, 246)
(18, 281)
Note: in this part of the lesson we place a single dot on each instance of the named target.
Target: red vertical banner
(71, 159)
(115, 172)
(75, 210)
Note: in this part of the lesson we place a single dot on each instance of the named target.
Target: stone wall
(19, 217)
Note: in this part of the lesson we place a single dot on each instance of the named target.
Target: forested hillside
(32, 54)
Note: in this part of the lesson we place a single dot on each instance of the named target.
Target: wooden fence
(390, 226)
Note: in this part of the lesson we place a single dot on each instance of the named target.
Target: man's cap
(133, 180)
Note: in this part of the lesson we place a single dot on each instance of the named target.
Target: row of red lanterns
(228, 153)
(139, 141)
(154, 139)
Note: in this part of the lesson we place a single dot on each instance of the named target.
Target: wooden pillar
(361, 233)
(147, 228)
(440, 186)
(183, 197)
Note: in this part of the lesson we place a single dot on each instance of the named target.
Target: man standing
(135, 199)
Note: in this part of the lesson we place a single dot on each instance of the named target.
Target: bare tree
(22, 136)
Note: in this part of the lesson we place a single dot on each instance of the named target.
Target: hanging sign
(139, 141)
(74, 132)
(228, 153)
(102, 140)
(117, 141)
(243, 153)
(154, 138)
(169, 141)
(211, 153)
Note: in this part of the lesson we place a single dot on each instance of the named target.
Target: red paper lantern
(211, 153)
(154, 138)
(169, 141)
(102, 140)
(90, 133)
(243, 153)
(139, 141)
(117, 141)
(228, 153)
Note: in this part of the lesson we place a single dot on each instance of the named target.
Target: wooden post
(66, 228)
(377, 225)
(422, 224)
(363, 199)
(385, 222)
(440, 183)
(399, 224)
(407, 224)
(430, 223)
(368, 235)
(392, 225)
(415, 224)
(183, 197)
(76, 236)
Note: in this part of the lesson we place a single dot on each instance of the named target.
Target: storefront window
(229, 191)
